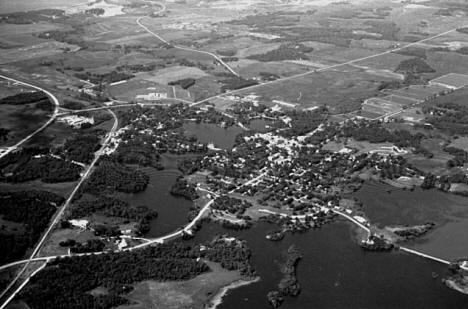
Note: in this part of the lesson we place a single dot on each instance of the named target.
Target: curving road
(58, 215)
(45, 125)
(163, 9)
(98, 154)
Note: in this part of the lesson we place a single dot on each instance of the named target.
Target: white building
(153, 96)
(76, 121)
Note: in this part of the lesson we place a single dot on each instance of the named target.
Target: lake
(210, 133)
(336, 273)
(172, 211)
(386, 205)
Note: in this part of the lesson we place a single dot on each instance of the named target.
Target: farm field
(179, 119)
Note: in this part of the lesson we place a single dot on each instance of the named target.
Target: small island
(288, 286)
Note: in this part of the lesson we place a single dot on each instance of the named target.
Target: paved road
(280, 80)
(25, 282)
(161, 239)
(407, 250)
(45, 125)
(62, 209)
(163, 8)
(207, 206)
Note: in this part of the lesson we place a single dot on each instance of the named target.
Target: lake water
(386, 205)
(172, 211)
(336, 273)
(211, 133)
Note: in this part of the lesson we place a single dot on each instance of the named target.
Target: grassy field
(174, 73)
(21, 120)
(7, 6)
(193, 294)
(340, 90)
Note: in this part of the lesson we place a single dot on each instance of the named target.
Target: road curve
(62, 209)
(163, 9)
(45, 125)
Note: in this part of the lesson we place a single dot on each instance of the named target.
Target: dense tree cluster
(189, 165)
(25, 98)
(448, 117)
(147, 67)
(4, 134)
(73, 37)
(394, 167)
(460, 156)
(184, 83)
(288, 286)
(231, 204)
(185, 189)
(413, 52)
(69, 280)
(46, 168)
(170, 118)
(91, 245)
(137, 150)
(231, 253)
(234, 83)
(109, 77)
(303, 122)
(74, 105)
(21, 156)
(374, 132)
(81, 147)
(113, 176)
(112, 207)
(30, 17)
(414, 66)
(31, 209)
(246, 111)
(444, 182)
(45, 105)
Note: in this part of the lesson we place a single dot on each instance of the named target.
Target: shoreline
(217, 299)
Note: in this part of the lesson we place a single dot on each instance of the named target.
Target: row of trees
(234, 83)
(184, 83)
(109, 77)
(24, 98)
